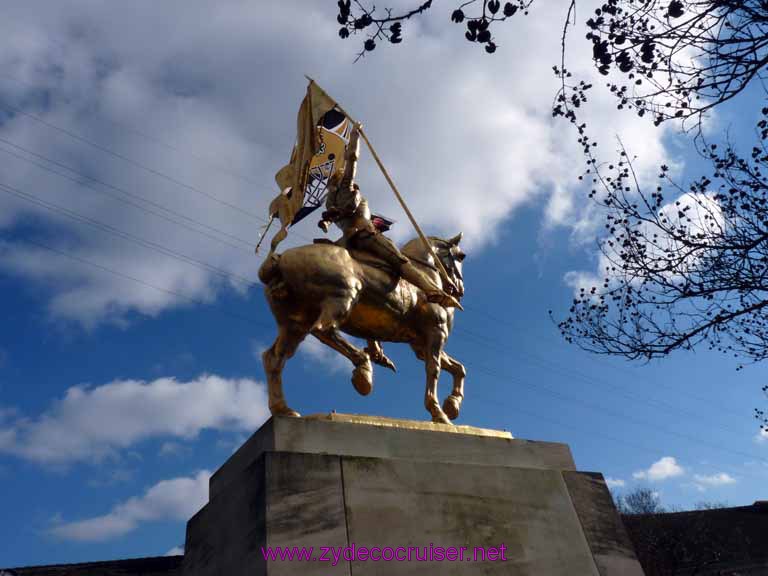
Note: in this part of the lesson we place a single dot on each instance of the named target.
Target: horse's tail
(270, 269)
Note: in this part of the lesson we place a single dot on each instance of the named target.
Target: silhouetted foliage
(679, 58)
(476, 16)
(682, 266)
(639, 501)
(680, 272)
(666, 548)
(761, 416)
(676, 58)
(669, 541)
(709, 505)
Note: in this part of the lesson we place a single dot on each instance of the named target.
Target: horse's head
(447, 251)
(452, 256)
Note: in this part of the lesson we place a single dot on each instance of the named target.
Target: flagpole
(264, 233)
(400, 199)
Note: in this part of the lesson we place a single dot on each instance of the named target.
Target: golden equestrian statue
(362, 284)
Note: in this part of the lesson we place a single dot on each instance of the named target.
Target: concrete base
(390, 485)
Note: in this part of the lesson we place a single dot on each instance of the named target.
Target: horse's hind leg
(333, 311)
(274, 360)
(362, 377)
(432, 356)
(452, 404)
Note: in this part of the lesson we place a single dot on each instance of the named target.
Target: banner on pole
(317, 160)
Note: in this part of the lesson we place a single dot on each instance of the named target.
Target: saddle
(380, 224)
(362, 256)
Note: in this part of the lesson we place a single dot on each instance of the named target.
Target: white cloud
(702, 210)
(713, 480)
(117, 476)
(91, 423)
(666, 467)
(762, 436)
(231, 444)
(468, 137)
(175, 551)
(614, 482)
(168, 449)
(174, 499)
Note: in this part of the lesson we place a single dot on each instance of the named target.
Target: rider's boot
(376, 353)
(444, 299)
(434, 294)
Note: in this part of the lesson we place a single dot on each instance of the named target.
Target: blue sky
(139, 147)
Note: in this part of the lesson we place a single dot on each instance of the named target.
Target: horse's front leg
(362, 376)
(432, 357)
(452, 403)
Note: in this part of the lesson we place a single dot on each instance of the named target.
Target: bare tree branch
(386, 26)
(682, 272)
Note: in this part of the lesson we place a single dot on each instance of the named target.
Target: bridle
(450, 263)
(450, 266)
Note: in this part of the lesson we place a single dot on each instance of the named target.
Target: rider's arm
(351, 157)
(344, 198)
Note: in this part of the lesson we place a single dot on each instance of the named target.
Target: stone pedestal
(396, 488)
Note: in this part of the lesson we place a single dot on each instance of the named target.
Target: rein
(423, 262)
(432, 267)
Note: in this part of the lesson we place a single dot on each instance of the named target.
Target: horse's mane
(415, 248)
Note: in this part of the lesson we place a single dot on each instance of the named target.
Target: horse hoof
(451, 406)
(362, 378)
(283, 410)
(441, 419)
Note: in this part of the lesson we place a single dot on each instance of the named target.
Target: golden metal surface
(385, 422)
(359, 130)
(363, 285)
(323, 290)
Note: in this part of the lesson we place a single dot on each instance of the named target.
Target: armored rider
(348, 209)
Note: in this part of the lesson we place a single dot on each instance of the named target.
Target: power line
(581, 376)
(205, 266)
(618, 415)
(170, 146)
(500, 320)
(136, 164)
(79, 176)
(125, 235)
(208, 266)
(592, 432)
(164, 250)
(108, 228)
(570, 373)
(549, 391)
(155, 139)
(158, 173)
(106, 269)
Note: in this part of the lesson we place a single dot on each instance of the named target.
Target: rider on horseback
(348, 209)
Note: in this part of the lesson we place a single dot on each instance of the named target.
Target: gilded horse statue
(323, 290)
